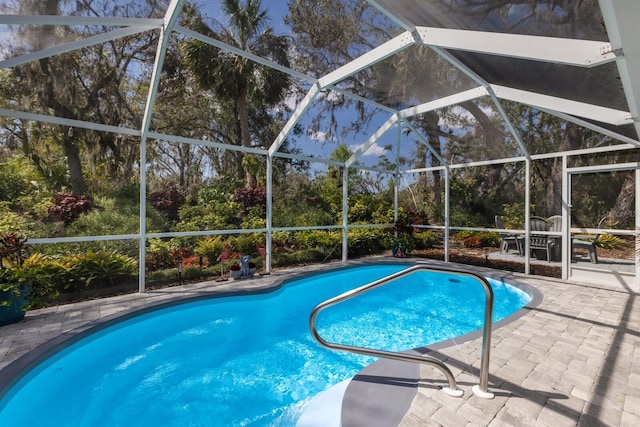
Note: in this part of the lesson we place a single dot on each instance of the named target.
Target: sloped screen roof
(600, 84)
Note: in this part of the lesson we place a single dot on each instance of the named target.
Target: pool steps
(325, 409)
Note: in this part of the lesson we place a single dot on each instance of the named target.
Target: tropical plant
(68, 207)
(365, 241)
(75, 272)
(107, 267)
(609, 241)
(210, 248)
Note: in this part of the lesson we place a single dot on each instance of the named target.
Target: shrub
(283, 239)
(168, 201)
(10, 220)
(513, 214)
(192, 272)
(364, 241)
(486, 238)
(489, 238)
(313, 239)
(49, 277)
(180, 254)
(244, 243)
(69, 273)
(211, 216)
(12, 183)
(68, 207)
(424, 239)
(249, 197)
(471, 242)
(299, 257)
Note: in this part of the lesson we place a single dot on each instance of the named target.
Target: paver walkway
(573, 360)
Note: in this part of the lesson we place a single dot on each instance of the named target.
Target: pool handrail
(480, 390)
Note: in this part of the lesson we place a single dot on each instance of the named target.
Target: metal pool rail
(453, 390)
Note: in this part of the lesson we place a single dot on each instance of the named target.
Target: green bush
(463, 234)
(513, 215)
(424, 239)
(283, 238)
(208, 216)
(107, 222)
(192, 273)
(489, 238)
(188, 273)
(462, 218)
(12, 183)
(162, 275)
(283, 259)
(49, 278)
(13, 222)
(314, 239)
(365, 241)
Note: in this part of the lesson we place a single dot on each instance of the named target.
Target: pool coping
(370, 387)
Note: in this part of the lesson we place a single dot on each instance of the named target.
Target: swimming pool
(246, 360)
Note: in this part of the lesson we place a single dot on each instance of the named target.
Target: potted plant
(235, 271)
(15, 282)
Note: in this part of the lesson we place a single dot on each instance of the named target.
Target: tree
(101, 84)
(239, 83)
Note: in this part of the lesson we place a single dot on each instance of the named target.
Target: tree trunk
(243, 113)
(489, 180)
(72, 153)
(623, 212)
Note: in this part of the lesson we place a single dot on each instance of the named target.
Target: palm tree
(238, 82)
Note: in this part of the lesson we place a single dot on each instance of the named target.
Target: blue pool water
(244, 360)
